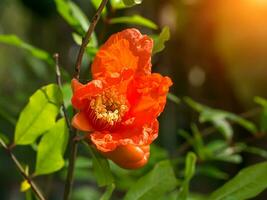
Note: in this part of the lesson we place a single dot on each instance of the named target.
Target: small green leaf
(159, 41)
(65, 9)
(96, 4)
(67, 94)
(75, 17)
(39, 115)
(173, 98)
(51, 149)
(220, 118)
(191, 159)
(134, 19)
(78, 14)
(131, 3)
(101, 168)
(155, 184)
(190, 165)
(78, 40)
(117, 4)
(4, 138)
(36, 52)
(212, 171)
(108, 193)
(248, 183)
(263, 117)
(257, 151)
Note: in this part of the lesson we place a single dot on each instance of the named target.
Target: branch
(34, 187)
(87, 37)
(74, 145)
(59, 82)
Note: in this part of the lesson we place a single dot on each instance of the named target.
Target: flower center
(107, 109)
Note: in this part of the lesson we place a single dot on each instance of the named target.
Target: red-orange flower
(121, 104)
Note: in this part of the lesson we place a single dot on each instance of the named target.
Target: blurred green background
(217, 55)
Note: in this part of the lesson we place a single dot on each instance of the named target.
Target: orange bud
(129, 156)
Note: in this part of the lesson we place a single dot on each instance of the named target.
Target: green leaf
(257, 151)
(66, 9)
(159, 41)
(78, 40)
(134, 19)
(248, 183)
(96, 4)
(212, 171)
(39, 115)
(34, 51)
(117, 4)
(75, 17)
(101, 168)
(191, 159)
(108, 193)
(198, 143)
(51, 149)
(220, 118)
(4, 138)
(190, 165)
(173, 98)
(263, 117)
(131, 3)
(67, 94)
(155, 184)
(85, 193)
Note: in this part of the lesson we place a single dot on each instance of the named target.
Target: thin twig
(87, 37)
(74, 145)
(71, 167)
(34, 187)
(59, 82)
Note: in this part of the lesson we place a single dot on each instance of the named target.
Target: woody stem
(87, 38)
(74, 144)
(34, 187)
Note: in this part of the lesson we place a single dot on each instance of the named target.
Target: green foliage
(117, 4)
(51, 149)
(101, 168)
(212, 171)
(220, 118)
(248, 183)
(4, 138)
(34, 51)
(108, 193)
(72, 15)
(85, 193)
(135, 20)
(75, 17)
(263, 117)
(155, 184)
(96, 4)
(130, 3)
(39, 115)
(161, 39)
(67, 94)
(173, 98)
(221, 151)
(190, 165)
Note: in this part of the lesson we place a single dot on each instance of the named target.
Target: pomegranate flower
(120, 106)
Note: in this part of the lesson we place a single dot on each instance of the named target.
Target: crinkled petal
(147, 97)
(81, 93)
(125, 53)
(80, 121)
(140, 136)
